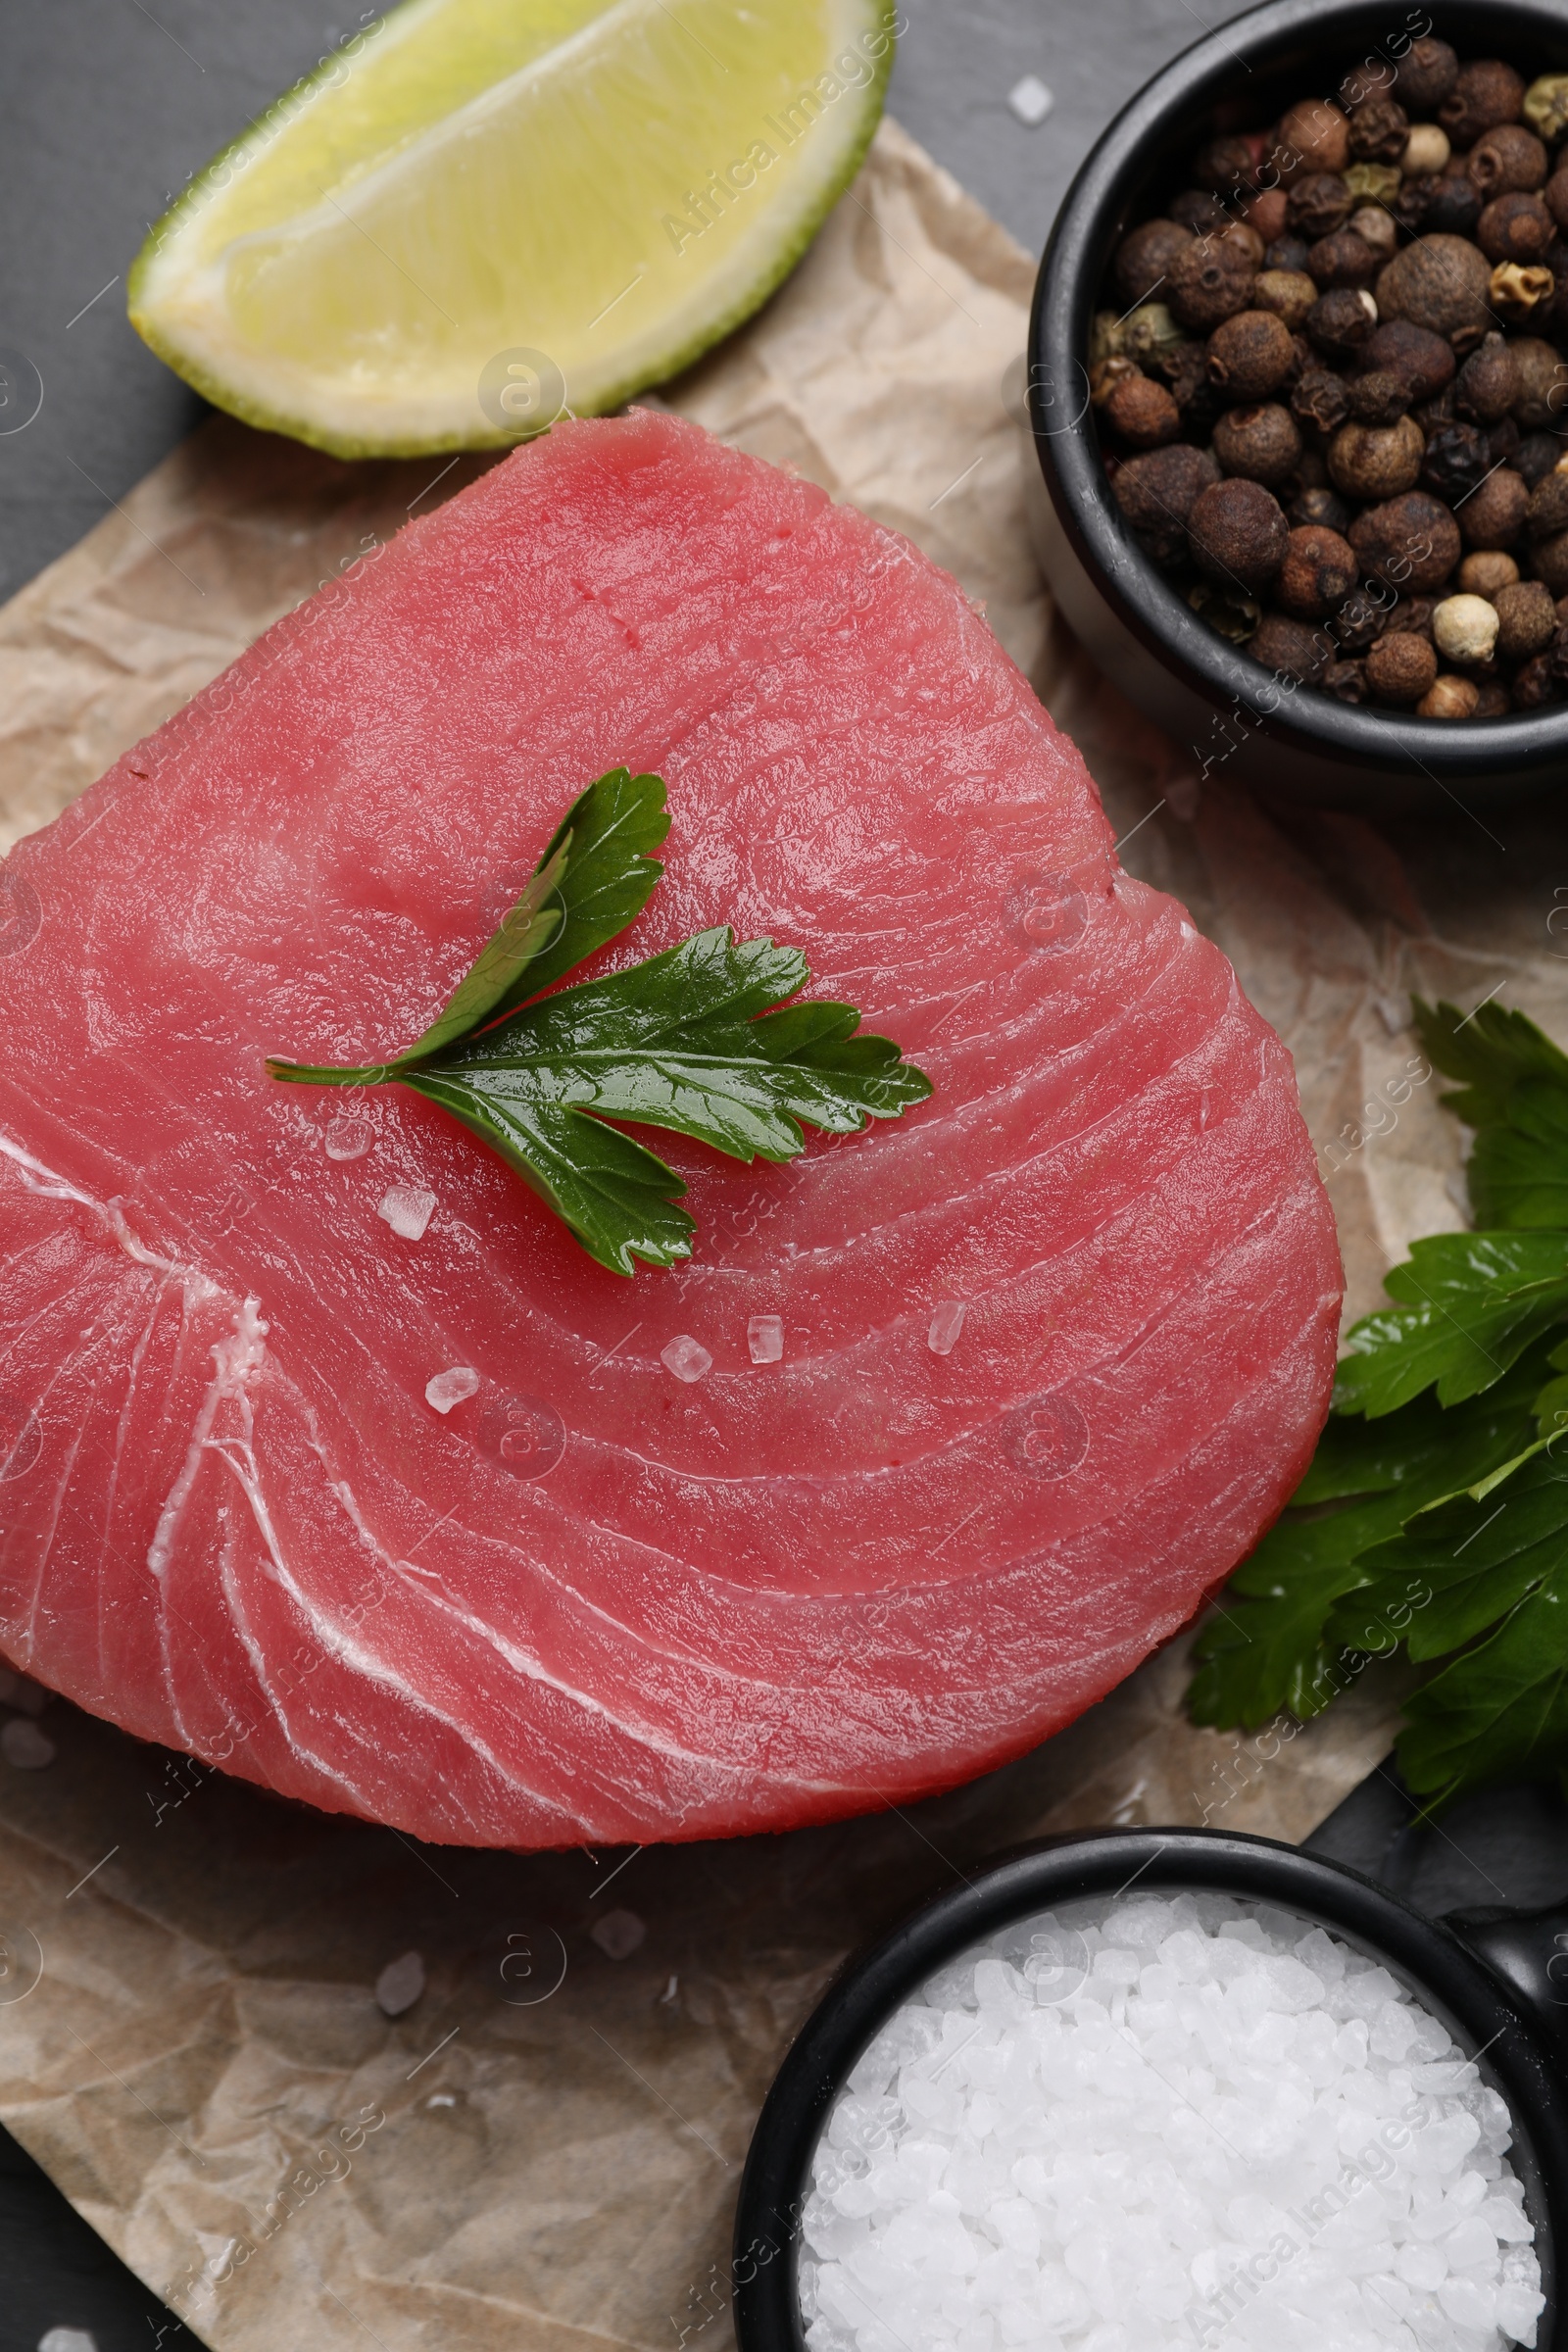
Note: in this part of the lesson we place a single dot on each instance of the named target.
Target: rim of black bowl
(1100, 206)
(1426, 1956)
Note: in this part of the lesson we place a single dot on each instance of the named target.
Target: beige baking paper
(542, 2152)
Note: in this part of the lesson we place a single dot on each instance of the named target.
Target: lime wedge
(477, 215)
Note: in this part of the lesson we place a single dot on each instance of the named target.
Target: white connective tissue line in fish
(1183, 2125)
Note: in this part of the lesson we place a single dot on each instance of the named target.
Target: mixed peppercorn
(1331, 393)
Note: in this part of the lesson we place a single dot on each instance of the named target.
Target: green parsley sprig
(699, 1040)
(1434, 1517)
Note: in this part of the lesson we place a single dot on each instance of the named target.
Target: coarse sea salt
(1179, 2124)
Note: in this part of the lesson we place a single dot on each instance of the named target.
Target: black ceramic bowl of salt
(1220, 706)
(1498, 1980)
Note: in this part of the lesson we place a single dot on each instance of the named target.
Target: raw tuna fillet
(1054, 1347)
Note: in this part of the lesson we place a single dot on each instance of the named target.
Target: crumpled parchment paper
(541, 2150)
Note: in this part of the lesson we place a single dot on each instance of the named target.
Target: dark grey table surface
(105, 107)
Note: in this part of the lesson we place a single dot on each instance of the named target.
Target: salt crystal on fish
(764, 1336)
(447, 1389)
(686, 1358)
(407, 1208)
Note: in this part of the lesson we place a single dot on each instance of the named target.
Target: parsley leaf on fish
(698, 1040)
(1434, 1518)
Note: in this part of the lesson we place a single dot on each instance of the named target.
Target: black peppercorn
(1378, 397)
(1289, 293)
(1456, 460)
(1516, 228)
(1143, 413)
(1199, 211)
(1543, 385)
(1493, 700)
(1260, 443)
(1320, 203)
(1489, 382)
(1318, 573)
(1226, 165)
(1484, 94)
(1507, 158)
(1185, 367)
(1411, 617)
(1526, 620)
(1502, 439)
(1345, 259)
(1155, 493)
(1555, 193)
(1535, 684)
(1376, 462)
(1452, 206)
(1535, 457)
(1321, 398)
(1547, 511)
(1548, 560)
(1346, 681)
(1411, 541)
(1442, 283)
(1412, 202)
(1316, 506)
(1400, 669)
(1424, 359)
(1494, 517)
(1313, 136)
(1379, 130)
(1340, 321)
(1208, 284)
(1287, 253)
(1290, 647)
(1238, 534)
(1359, 621)
(1144, 259)
(1425, 75)
(1249, 356)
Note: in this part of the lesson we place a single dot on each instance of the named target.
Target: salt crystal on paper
(408, 1210)
(946, 1325)
(22, 1743)
(764, 1336)
(1030, 100)
(400, 1983)
(447, 1389)
(1082, 2132)
(686, 1358)
(347, 1137)
(618, 1933)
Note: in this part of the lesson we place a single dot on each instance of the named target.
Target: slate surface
(104, 109)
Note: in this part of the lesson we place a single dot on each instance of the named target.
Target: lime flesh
(477, 215)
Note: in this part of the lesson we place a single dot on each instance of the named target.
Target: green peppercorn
(1545, 106)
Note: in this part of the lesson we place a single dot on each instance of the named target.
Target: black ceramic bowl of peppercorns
(1299, 383)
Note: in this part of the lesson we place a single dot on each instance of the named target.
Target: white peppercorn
(1466, 628)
